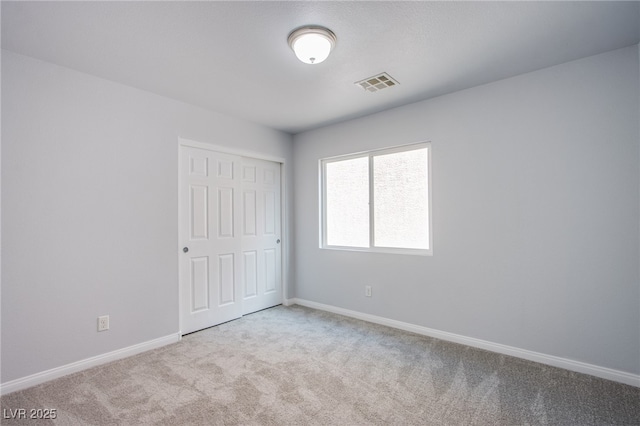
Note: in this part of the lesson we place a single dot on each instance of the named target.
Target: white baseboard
(567, 364)
(54, 373)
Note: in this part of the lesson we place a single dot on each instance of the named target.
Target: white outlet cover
(103, 323)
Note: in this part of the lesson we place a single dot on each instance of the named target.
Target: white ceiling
(233, 57)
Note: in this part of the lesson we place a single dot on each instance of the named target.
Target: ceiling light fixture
(312, 44)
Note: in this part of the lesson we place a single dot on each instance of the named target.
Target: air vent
(377, 82)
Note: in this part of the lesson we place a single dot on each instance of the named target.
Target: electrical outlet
(103, 323)
(367, 290)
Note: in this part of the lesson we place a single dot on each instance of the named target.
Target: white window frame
(371, 154)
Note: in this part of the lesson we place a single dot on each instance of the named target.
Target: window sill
(382, 250)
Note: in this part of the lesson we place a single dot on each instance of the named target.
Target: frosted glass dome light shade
(312, 45)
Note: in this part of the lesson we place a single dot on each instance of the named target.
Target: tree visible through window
(378, 201)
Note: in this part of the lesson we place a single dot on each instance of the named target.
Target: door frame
(283, 208)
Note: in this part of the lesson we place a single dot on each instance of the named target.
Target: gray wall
(535, 214)
(89, 220)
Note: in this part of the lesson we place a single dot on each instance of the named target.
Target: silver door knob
(278, 241)
(186, 249)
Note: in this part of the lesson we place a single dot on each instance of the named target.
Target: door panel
(226, 279)
(270, 273)
(249, 212)
(209, 211)
(199, 284)
(199, 214)
(269, 213)
(250, 274)
(261, 235)
(225, 212)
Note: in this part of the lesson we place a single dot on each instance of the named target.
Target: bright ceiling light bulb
(312, 45)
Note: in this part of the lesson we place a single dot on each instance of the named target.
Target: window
(378, 201)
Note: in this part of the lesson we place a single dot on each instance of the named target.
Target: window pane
(348, 202)
(401, 203)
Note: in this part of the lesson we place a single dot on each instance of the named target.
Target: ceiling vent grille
(377, 82)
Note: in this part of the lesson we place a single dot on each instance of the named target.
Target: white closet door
(261, 233)
(210, 266)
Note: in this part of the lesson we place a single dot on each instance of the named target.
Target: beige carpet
(298, 366)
